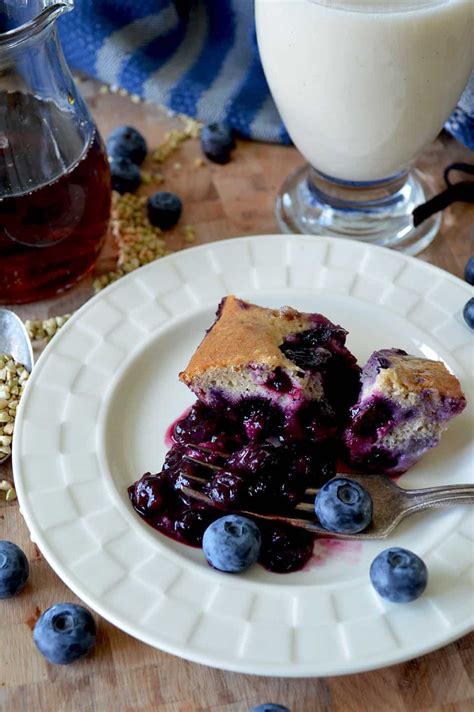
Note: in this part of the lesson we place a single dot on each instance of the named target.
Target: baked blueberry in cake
(405, 404)
(253, 356)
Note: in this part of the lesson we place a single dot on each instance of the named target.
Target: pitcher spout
(21, 19)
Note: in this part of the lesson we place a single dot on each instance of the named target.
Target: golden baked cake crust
(415, 375)
(245, 333)
(289, 359)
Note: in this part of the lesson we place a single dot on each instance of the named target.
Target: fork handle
(418, 499)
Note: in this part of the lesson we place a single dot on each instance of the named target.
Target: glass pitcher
(54, 176)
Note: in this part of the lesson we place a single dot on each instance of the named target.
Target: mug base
(378, 213)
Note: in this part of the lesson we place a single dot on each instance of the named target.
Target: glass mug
(54, 177)
(363, 86)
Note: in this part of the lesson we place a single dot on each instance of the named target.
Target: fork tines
(304, 507)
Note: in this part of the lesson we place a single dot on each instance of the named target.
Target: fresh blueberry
(270, 707)
(164, 209)
(469, 270)
(64, 633)
(343, 506)
(14, 569)
(232, 543)
(125, 175)
(468, 313)
(398, 575)
(127, 142)
(217, 142)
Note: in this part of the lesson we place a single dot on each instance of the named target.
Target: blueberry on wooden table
(14, 569)
(398, 575)
(217, 142)
(125, 175)
(469, 270)
(65, 633)
(343, 506)
(127, 142)
(270, 707)
(164, 209)
(232, 543)
(468, 313)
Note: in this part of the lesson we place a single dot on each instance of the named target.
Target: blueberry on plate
(127, 142)
(468, 313)
(14, 569)
(270, 707)
(469, 270)
(164, 209)
(125, 175)
(398, 575)
(343, 506)
(64, 633)
(232, 543)
(217, 142)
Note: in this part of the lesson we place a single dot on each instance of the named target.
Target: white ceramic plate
(94, 416)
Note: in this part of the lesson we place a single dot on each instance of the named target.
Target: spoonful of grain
(16, 362)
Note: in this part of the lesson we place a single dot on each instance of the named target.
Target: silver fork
(391, 503)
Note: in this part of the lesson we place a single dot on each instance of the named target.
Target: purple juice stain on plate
(343, 550)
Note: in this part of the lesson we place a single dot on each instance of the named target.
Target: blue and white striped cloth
(197, 57)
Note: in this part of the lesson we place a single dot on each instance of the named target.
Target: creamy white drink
(364, 85)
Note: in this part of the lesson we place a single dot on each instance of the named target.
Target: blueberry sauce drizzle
(255, 473)
(264, 460)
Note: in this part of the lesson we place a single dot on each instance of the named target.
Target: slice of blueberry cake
(279, 395)
(404, 405)
(283, 357)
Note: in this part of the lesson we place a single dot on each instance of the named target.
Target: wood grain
(123, 674)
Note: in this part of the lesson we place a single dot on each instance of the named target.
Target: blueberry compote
(251, 469)
(256, 458)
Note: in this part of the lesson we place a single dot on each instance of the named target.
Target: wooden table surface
(123, 674)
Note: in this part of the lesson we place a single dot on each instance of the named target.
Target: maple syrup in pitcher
(54, 176)
(49, 236)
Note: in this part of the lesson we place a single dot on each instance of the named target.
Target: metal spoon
(14, 341)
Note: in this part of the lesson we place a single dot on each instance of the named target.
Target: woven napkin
(197, 57)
